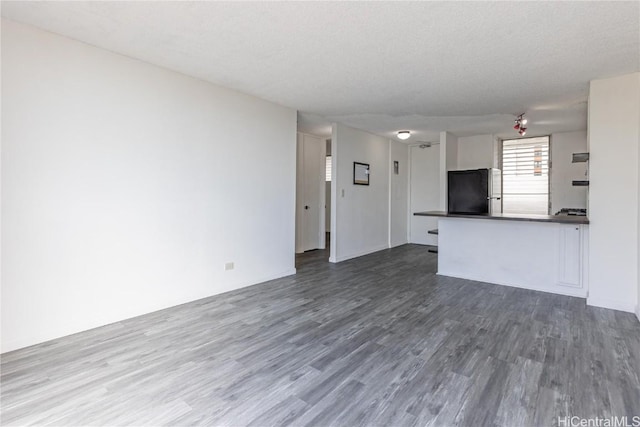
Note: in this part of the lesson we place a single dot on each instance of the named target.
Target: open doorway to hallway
(327, 199)
(312, 194)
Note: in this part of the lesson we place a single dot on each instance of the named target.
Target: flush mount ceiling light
(404, 134)
(520, 123)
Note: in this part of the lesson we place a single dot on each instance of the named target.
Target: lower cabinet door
(570, 256)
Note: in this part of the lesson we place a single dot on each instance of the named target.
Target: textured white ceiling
(464, 67)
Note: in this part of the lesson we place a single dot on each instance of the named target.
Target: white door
(310, 203)
(424, 182)
(570, 255)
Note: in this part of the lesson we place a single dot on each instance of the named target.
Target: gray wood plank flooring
(380, 340)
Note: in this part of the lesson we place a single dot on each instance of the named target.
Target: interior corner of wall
(612, 304)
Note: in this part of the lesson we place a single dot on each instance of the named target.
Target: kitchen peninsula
(540, 252)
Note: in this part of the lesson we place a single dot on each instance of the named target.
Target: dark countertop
(562, 219)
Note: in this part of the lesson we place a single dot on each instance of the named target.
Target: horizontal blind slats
(525, 175)
(328, 169)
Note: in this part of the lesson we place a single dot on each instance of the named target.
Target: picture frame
(360, 173)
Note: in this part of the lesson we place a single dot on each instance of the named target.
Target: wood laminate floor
(375, 341)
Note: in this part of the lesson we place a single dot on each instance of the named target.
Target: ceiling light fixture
(519, 125)
(404, 134)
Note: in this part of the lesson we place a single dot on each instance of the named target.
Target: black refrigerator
(477, 191)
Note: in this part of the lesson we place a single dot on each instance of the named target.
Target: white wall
(398, 193)
(476, 152)
(614, 136)
(563, 194)
(448, 161)
(127, 187)
(360, 213)
(424, 187)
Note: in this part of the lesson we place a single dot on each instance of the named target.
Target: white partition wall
(398, 193)
(359, 213)
(614, 137)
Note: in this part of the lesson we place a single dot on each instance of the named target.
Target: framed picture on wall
(360, 173)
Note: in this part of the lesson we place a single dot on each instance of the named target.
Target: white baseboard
(559, 290)
(613, 305)
(358, 254)
(286, 273)
(74, 329)
(396, 244)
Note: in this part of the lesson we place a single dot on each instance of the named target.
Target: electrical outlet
(228, 266)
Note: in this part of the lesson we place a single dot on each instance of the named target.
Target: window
(327, 169)
(525, 175)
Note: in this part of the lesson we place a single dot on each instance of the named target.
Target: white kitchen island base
(543, 256)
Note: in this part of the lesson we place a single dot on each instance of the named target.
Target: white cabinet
(570, 255)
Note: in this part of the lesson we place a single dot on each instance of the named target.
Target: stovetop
(572, 211)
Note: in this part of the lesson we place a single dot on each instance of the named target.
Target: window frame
(500, 165)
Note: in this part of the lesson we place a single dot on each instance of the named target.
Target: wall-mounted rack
(579, 157)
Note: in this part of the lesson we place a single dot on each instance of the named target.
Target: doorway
(310, 193)
(327, 187)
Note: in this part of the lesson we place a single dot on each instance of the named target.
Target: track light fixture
(404, 134)
(520, 124)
